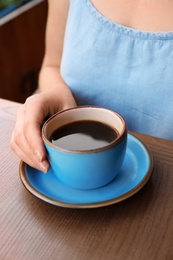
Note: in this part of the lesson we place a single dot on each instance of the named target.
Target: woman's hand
(26, 140)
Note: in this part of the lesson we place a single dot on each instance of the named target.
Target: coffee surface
(83, 135)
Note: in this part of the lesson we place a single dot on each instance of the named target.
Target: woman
(116, 54)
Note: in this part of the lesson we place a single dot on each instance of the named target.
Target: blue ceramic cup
(84, 166)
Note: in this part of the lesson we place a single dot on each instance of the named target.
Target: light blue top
(127, 70)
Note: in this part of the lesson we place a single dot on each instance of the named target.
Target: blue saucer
(135, 172)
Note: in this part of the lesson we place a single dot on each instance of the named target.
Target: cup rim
(104, 148)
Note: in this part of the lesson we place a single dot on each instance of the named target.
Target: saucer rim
(120, 198)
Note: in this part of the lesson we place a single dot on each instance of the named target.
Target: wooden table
(141, 227)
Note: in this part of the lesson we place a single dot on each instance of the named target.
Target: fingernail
(44, 166)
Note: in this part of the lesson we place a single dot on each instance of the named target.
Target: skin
(26, 141)
(26, 138)
(146, 15)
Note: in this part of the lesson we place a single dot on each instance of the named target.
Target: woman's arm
(55, 30)
(26, 140)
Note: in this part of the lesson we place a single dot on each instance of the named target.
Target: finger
(22, 148)
(32, 127)
(34, 140)
(26, 154)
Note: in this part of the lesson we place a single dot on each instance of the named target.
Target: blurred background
(22, 40)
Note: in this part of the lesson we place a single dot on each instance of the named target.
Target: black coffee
(83, 135)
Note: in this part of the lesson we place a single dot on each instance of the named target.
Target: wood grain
(138, 228)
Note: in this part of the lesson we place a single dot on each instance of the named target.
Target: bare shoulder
(55, 30)
(57, 12)
(59, 7)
